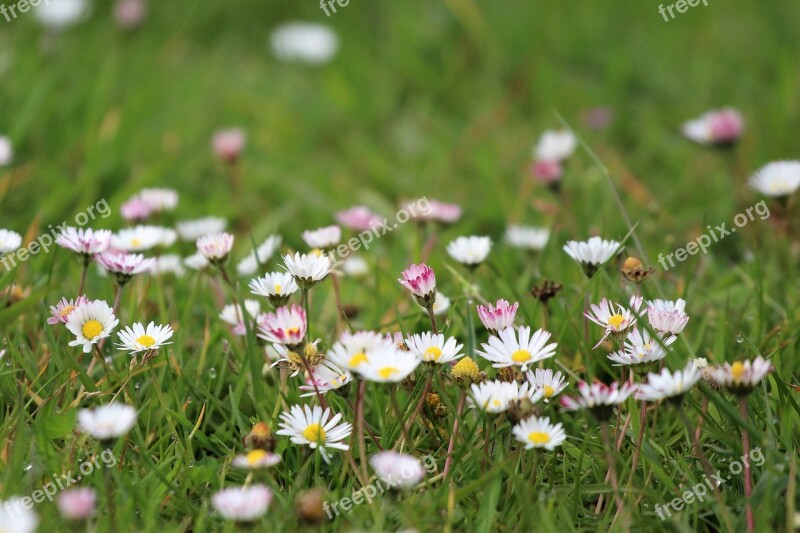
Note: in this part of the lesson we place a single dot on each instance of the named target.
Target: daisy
(398, 470)
(229, 144)
(138, 338)
(432, 348)
(108, 421)
(10, 241)
(505, 349)
(421, 281)
(139, 238)
(61, 311)
(196, 261)
(721, 127)
(307, 269)
(437, 211)
(6, 151)
(389, 366)
(304, 42)
(591, 254)
(497, 396)
(310, 426)
(135, 210)
(547, 172)
(58, 14)
(441, 304)
(323, 238)
(77, 503)
(232, 314)
(256, 459)
(215, 246)
(470, 251)
(159, 199)
(614, 321)
(555, 146)
(326, 377)
(17, 517)
(666, 384)
(548, 383)
(498, 317)
(355, 266)
(539, 433)
(527, 237)
(124, 265)
(169, 264)
(287, 325)
(84, 241)
(778, 179)
(91, 322)
(640, 348)
(260, 256)
(355, 349)
(741, 377)
(359, 218)
(191, 230)
(275, 286)
(598, 398)
(242, 504)
(667, 317)
(129, 14)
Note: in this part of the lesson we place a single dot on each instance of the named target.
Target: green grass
(441, 99)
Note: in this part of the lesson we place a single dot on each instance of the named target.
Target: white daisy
(287, 325)
(555, 145)
(242, 504)
(327, 377)
(398, 470)
(84, 241)
(389, 366)
(303, 42)
(169, 264)
(17, 517)
(307, 269)
(777, 179)
(355, 349)
(497, 396)
(215, 246)
(668, 384)
(138, 338)
(512, 347)
(276, 286)
(196, 261)
(107, 421)
(159, 199)
(125, 265)
(310, 426)
(139, 238)
(718, 127)
(6, 151)
(191, 230)
(527, 237)
(10, 241)
(591, 254)
(640, 348)
(470, 251)
(614, 320)
(498, 317)
(598, 398)
(260, 256)
(741, 377)
(232, 314)
(323, 238)
(355, 266)
(544, 380)
(90, 323)
(538, 432)
(667, 317)
(432, 348)
(256, 459)
(58, 14)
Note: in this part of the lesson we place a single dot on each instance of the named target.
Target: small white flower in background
(388, 366)
(591, 254)
(778, 179)
(614, 320)
(359, 218)
(262, 254)
(275, 286)
(433, 348)
(326, 377)
(470, 251)
(256, 459)
(135, 210)
(355, 266)
(169, 264)
(497, 396)
(302, 42)
(242, 504)
(307, 269)
(6, 151)
(232, 314)
(228, 145)
(138, 338)
(57, 14)
(527, 237)
(721, 127)
(77, 504)
(311, 426)
(16, 517)
(667, 317)
(544, 380)
(191, 230)
(90, 323)
(539, 433)
(668, 384)
(159, 199)
(399, 470)
(10, 241)
(216, 246)
(142, 238)
(196, 261)
(85, 241)
(107, 421)
(323, 238)
(555, 146)
(641, 348)
(598, 397)
(507, 349)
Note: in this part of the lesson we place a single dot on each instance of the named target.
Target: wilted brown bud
(508, 374)
(435, 404)
(309, 506)
(260, 437)
(546, 291)
(519, 410)
(633, 270)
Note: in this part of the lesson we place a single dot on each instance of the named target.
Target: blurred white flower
(6, 151)
(303, 42)
(59, 14)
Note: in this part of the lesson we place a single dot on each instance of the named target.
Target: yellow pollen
(255, 456)
(277, 288)
(548, 391)
(357, 359)
(67, 310)
(737, 370)
(314, 433)
(433, 353)
(387, 372)
(521, 356)
(317, 252)
(92, 329)
(616, 321)
(496, 403)
(293, 331)
(538, 437)
(146, 341)
(136, 242)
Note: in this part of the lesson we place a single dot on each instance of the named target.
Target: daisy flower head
(326, 376)
(91, 322)
(323, 238)
(58, 14)
(537, 432)
(215, 246)
(77, 504)
(61, 311)
(124, 265)
(355, 266)
(598, 398)
(169, 264)
(277, 287)
(313, 427)
(669, 385)
(142, 238)
(527, 237)
(778, 179)
(421, 281)
(287, 325)
(544, 380)
(359, 218)
(437, 211)
(466, 373)
(591, 254)
(517, 347)
(615, 319)
(232, 314)
(548, 172)
(260, 256)
(353, 350)
(191, 230)
(667, 317)
(741, 377)
(719, 127)
(196, 261)
(229, 144)
(17, 517)
(307, 269)
(555, 146)
(6, 151)
(470, 251)
(398, 470)
(86, 242)
(10, 241)
(389, 365)
(159, 199)
(129, 14)
(242, 504)
(304, 42)
(498, 396)
(641, 348)
(135, 210)
(108, 421)
(433, 348)
(256, 459)
(498, 317)
(140, 338)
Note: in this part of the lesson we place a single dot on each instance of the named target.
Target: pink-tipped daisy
(499, 316)
(61, 311)
(215, 246)
(287, 325)
(517, 347)
(599, 398)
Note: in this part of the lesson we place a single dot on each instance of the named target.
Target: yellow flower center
(548, 391)
(496, 403)
(314, 433)
(616, 321)
(255, 456)
(136, 242)
(317, 252)
(67, 310)
(521, 356)
(538, 437)
(737, 370)
(433, 353)
(277, 288)
(146, 341)
(387, 372)
(92, 329)
(293, 331)
(357, 359)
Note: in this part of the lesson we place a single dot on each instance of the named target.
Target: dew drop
(739, 338)
(212, 373)
(28, 467)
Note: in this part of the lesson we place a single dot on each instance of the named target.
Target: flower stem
(433, 319)
(748, 475)
(362, 446)
(611, 466)
(460, 409)
(398, 412)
